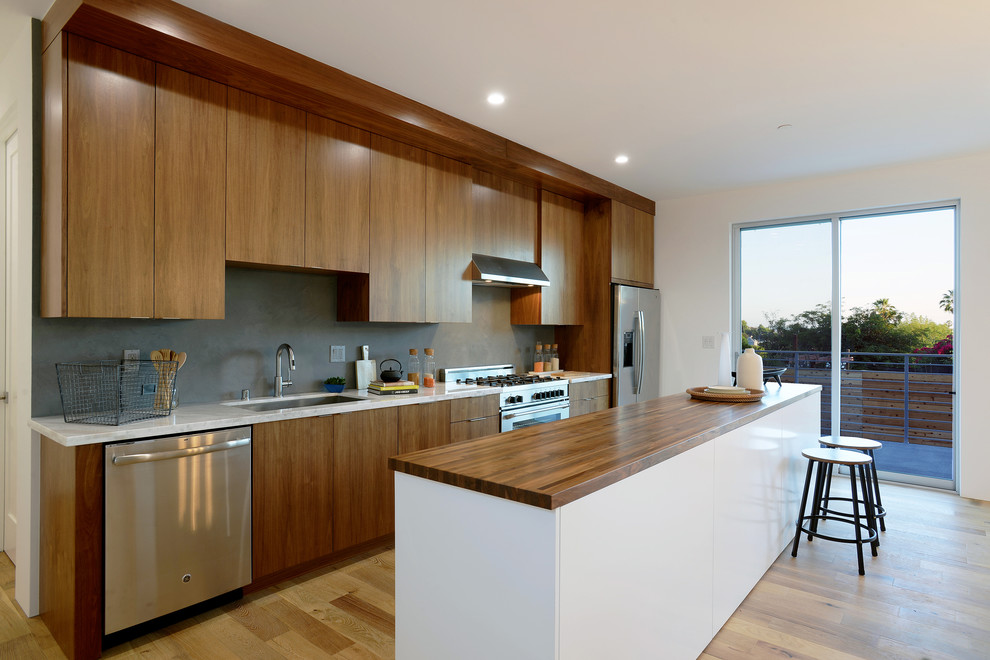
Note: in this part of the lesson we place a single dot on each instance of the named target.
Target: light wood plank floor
(926, 596)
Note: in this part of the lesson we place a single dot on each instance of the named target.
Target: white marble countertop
(195, 418)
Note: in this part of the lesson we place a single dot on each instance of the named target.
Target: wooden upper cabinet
(292, 489)
(449, 236)
(505, 218)
(266, 181)
(109, 182)
(632, 245)
(338, 187)
(190, 161)
(397, 282)
(561, 243)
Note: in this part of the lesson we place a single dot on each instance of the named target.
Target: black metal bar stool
(866, 446)
(823, 458)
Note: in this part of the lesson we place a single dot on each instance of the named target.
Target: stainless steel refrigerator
(635, 344)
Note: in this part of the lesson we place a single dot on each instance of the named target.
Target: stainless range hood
(497, 271)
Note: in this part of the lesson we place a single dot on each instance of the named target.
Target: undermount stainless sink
(282, 404)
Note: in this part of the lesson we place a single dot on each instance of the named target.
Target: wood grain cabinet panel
(423, 426)
(473, 407)
(110, 182)
(190, 166)
(449, 236)
(363, 491)
(398, 222)
(474, 417)
(561, 244)
(474, 428)
(506, 218)
(338, 188)
(632, 245)
(395, 288)
(588, 397)
(70, 581)
(292, 489)
(266, 181)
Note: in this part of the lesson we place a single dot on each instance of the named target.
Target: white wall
(15, 113)
(693, 272)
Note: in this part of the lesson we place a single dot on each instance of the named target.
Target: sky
(907, 258)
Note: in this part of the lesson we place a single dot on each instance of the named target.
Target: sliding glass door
(862, 304)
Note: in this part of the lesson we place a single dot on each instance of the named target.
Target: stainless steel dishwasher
(178, 523)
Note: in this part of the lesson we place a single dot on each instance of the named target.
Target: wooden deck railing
(892, 397)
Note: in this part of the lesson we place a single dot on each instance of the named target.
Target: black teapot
(391, 375)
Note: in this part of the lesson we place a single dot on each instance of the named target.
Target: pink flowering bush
(941, 347)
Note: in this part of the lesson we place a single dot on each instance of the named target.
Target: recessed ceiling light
(496, 98)
(622, 159)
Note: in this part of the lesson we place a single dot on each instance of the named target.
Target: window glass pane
(897, 301)
(786, 283)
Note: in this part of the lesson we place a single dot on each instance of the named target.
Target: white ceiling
(692, 90)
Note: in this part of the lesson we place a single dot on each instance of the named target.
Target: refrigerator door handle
(642, 350)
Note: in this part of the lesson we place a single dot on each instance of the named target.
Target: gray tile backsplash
(265, 309)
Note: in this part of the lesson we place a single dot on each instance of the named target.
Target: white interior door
(7, 455)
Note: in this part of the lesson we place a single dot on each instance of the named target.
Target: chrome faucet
(279, 383)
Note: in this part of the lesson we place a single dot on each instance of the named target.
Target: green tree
(948, 301)
(879, 328)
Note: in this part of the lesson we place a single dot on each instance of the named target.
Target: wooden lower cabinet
(588, 397)
(363, 490)
(291, 499)
(474, 417)
(423, 426)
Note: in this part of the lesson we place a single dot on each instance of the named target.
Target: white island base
(648, 567)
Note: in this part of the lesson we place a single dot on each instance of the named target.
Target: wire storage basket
(116, 391)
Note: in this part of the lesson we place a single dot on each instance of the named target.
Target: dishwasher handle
(179, 453)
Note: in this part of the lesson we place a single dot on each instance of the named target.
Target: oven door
(540, 414)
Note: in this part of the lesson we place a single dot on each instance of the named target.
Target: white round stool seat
(836, 456)
(850, 442)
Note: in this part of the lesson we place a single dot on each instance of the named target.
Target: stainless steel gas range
(524, 400)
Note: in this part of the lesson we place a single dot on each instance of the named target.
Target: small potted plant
(334, 384)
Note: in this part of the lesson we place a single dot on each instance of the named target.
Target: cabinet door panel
(398, 224)
(561, 232)
(473, 407)
(474, 428)
(363, 490)
(110, 178)
(449, 234)
(632, 245)
(266, 181)
(190, 166)
(338, 185)
(292, 488)
(423, 426)
(505, 218)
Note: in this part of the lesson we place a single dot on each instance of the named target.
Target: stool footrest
(879, 511)
(870, 538)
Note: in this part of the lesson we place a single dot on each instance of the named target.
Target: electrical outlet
(708, 341)
(132, 354)
(337, 354)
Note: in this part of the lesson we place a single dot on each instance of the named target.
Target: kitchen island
(632, 532)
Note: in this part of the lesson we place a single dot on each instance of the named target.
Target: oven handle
(530, 411)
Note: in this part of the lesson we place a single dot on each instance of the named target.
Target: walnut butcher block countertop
(550, 465)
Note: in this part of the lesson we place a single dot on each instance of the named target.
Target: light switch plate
(132, 354)
(337, 354)
(708, 341)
